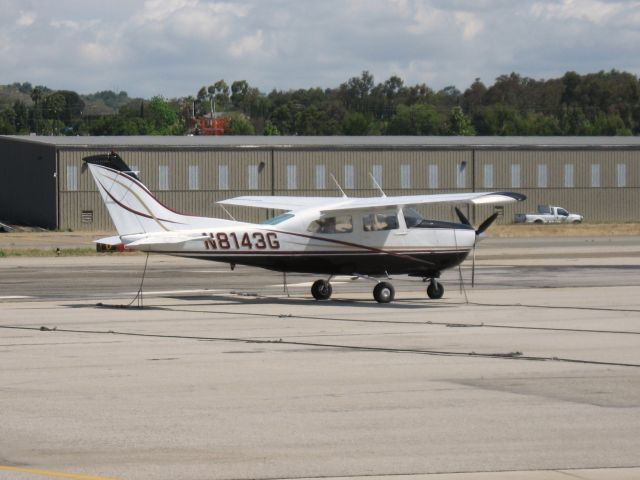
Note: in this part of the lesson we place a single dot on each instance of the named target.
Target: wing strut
(377, 185)
(344, 195)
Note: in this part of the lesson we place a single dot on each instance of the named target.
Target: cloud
(26, 19)
(593, 11)
(172, 47)
(248, 45)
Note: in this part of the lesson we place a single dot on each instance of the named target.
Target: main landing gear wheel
(321, 290)
(384, 292)
(435, 290)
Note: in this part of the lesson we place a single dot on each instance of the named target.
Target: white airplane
(372, 237)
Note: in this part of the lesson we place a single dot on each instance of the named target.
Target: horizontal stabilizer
(115, 240)
(166, 239)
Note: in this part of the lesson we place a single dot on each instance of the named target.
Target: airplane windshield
(279, 219)
(412, 217)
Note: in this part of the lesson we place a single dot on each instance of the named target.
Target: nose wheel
(321, 290)
(435, 290)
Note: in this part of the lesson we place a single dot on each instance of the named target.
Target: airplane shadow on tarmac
(229, 300)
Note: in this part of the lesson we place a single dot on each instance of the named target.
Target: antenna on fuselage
(338, 185)
(377, 185)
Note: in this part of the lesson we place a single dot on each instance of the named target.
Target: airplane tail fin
(132, 207)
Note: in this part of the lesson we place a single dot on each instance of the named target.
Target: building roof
(335, 142)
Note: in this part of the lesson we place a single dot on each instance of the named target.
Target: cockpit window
(279, 219)
(374, 222)
(331, 225)
(411, 217)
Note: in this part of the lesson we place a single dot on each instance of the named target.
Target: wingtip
(518, 197)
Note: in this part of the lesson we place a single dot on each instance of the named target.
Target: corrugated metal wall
(399, 172)
(28, 183)
(176, 189)
(600, 184)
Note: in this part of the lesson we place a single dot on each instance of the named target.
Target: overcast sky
(173, 47)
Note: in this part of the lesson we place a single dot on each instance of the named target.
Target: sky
(173, 47)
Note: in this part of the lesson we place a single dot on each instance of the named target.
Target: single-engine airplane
(372, 237)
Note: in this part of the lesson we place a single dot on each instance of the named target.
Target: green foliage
(270, 129)
(603, 103)
(499, 119)
(459, 124)
(417, 119)
(357, 124)
(162, 118)
(237, 124)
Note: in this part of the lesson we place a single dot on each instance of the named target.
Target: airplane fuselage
(422, 251)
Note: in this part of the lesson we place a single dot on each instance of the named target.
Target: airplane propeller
(479, 231)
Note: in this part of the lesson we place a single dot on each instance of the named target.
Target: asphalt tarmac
(534, 373)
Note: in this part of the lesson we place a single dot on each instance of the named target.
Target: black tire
(384, 292)
(321, 290)
(435, 290)
(538, 221)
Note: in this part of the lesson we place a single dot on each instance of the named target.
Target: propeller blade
(487, 223)
(464, 220)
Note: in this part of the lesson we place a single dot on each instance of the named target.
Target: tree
(238, 124)
(239, 90)
(74, 107)
(611, 125)
(218, 94)
(309, 121)
(21, 121)
(356, 90)
(499, 120)
(459, 124)
(54, 106)
(7, 122)
(356, 124)
(270, 129)
(416, 119)
(473, 97)
(36, 95)
(283, 118)
(163, 119)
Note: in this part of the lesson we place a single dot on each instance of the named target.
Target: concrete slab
(509, 379)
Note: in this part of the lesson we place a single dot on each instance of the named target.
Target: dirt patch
(49, 240)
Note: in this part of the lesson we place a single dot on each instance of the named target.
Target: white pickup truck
(548, 214)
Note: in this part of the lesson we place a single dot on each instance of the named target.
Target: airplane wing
(282, 202)
(476, 198)
(331, 204)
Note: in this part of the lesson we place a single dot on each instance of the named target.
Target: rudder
(132, 207)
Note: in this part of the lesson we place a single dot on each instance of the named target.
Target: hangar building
(42, 182)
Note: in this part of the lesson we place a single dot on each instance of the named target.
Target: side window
(379, 221)
(563, 212)
(331, 225)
